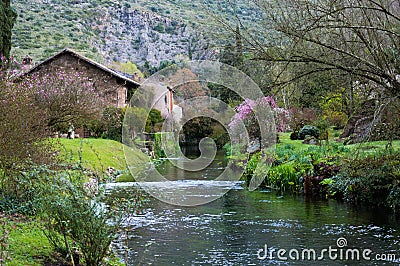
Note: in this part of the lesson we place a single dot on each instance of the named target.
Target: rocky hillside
(105, 30)
(142, 36)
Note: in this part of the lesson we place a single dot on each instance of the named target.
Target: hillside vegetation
(136, 30)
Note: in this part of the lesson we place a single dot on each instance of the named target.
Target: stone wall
(111, 88)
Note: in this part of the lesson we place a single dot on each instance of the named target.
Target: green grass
(99, 154)
(96, 154)
(284, 139)
(365, 147)
(27, 244)
(375, 146)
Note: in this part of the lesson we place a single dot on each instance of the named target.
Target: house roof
(89, 61)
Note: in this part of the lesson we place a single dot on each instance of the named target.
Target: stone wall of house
(112, 89)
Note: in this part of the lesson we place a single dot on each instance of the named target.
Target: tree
(357, 37)
(23, 129)
(187, 84)
(7, 20)
(65, 97)
(128, 68)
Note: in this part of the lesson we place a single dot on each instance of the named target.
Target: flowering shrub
(65, 96)
(245, 113)
(30, 107)
(23, 126)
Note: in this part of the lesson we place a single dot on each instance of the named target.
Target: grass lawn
(365, 147)
(96, 154)
(27, 245)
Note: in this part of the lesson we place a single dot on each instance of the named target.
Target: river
(255, 228)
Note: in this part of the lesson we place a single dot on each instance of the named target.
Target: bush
(300, 117)
(372, 180)
(314, 183)
(294, 135)
(308, 130)
(112, 120)
(159, 27)
(23, 130)
(79, 222)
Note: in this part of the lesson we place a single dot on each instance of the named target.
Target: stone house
(114, 87)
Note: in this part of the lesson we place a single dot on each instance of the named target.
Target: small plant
(317, 183)
(283, 177)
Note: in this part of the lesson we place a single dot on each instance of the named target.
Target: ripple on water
(232, 229)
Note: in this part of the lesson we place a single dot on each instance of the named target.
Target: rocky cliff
(103, 30)
(141, 36)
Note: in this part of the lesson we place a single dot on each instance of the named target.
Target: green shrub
(308, 130)
(159, 27)
(80, 223)
(372, 180)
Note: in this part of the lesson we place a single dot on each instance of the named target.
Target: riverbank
(23, 238)
(361, 174)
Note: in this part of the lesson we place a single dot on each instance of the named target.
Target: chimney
(27, 62)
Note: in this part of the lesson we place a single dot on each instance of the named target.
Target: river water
(248, 228)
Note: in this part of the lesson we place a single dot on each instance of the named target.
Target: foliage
(112, 120)
(197, 128)
(251, 166)
(317, 37)
(136, 114)
(153, 120)
(300, 117)
(323, 127)
(78, 216)
(160, 27)
(245, 113)
(110, 124)
(33, 106)
(159, 152)
(24, 131)
(372, 180)
(219, 134)
(7, 20)
(308, 130)
(65, 97)
(159, 141)
(332, 108)
(296, 164)
(316, 182)
(283, 178)
(76, 220)
(186, 84)
(387, 126)
(128, 68)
